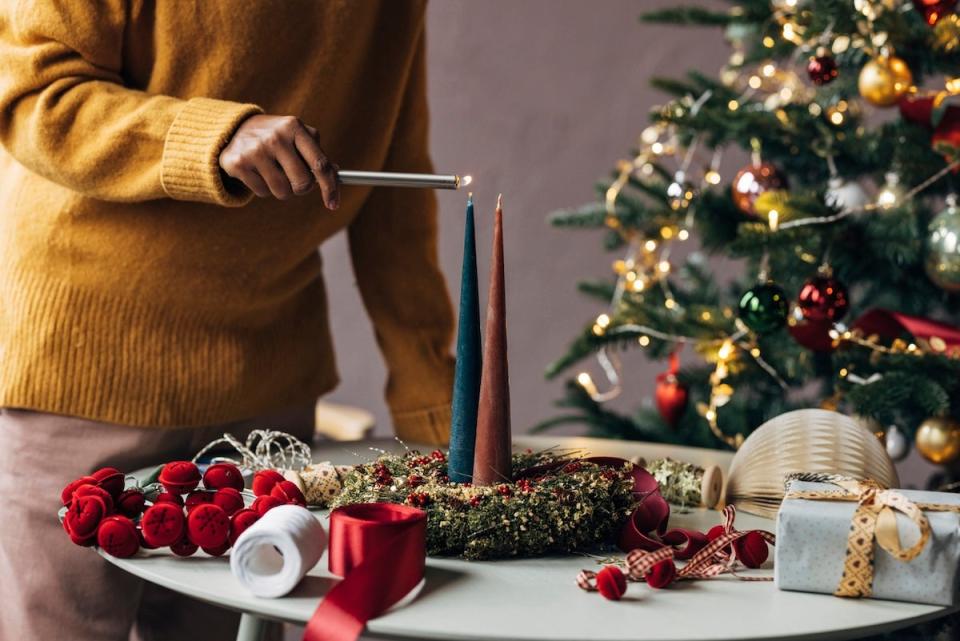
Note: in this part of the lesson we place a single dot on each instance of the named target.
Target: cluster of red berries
(184, 517)
(418, 499)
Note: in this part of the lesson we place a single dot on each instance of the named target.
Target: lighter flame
(466, 180)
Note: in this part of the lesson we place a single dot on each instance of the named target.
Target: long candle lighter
(396, 179)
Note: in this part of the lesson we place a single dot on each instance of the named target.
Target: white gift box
(812, 546)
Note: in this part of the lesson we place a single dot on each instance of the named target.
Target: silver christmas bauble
(896, 443)
(843, 195)
(943, 247)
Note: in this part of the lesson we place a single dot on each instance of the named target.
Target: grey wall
(535, 99)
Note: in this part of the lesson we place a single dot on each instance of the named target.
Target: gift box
(855, 539)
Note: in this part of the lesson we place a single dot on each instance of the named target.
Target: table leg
(252, 628)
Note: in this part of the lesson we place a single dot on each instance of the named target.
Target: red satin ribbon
(380, 549)
(890, 324)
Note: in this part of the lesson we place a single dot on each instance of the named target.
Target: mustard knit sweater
(136, 285)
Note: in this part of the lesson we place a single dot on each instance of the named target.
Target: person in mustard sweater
(166, 177)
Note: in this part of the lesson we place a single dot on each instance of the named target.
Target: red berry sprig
(101, 510)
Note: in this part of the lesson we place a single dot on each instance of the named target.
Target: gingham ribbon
(873, 520)
(710, 561)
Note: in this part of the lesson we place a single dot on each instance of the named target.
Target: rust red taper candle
(492, 461)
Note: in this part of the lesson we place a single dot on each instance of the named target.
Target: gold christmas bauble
(938, 439)
(884, 80)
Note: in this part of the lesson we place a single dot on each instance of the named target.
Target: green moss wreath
(558, 503)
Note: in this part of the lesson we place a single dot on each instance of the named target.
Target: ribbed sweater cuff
(430, 426)
(191, 153)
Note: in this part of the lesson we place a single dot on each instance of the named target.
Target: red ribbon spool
(380, 549)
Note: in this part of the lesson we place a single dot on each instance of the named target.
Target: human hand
(280, 156)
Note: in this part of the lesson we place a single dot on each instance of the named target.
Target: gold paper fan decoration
(810, 440)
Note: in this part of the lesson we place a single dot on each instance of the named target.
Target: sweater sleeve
(393, 244)
(66, 114)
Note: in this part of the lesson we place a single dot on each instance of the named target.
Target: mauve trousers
(52, 590)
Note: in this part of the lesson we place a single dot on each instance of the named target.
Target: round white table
(538, 599)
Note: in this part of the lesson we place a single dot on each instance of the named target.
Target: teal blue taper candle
(466, 381)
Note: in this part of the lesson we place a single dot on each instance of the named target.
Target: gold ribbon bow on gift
(874, 520)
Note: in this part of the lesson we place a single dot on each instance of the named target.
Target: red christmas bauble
(814, 335)
(823, 298)
(208, 526)
(662, 574)
(752, 181)
(264, 480)
(130, 502)
(822, 69)
(229, 500)
(240, 521)
(179, 477)
(946, 136)
(288, 492)
(163, 524)
(751, 549)
(671, 397)
(933, 10)
(111, 479)
(670, 394)
(611, 583)
(117, 536)
(221, 475)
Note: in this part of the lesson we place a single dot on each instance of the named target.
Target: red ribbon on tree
(889, 324)
(380, 550)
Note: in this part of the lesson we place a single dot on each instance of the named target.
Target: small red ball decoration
(752, 181)
(670, 394)
(95, 490)
(167, 497)
(264, 480)
(822, 69)
(67, 494)
(117, 536)
(823, 298)
(221, 475)
(184, 547)
(197, 497)
(240, 521)
(662, 574)
(218, 550)
(288, 492)
(180, 477)
(751, 549)
(933, 10)
(611, 583)
(110, 479)
(228, 499)
(163, 524)
(131, 502)
(83, 517)
(208, 526)
(263, 504)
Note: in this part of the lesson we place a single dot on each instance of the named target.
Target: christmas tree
(843, 219)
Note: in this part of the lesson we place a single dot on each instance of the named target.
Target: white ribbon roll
(273, 554)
